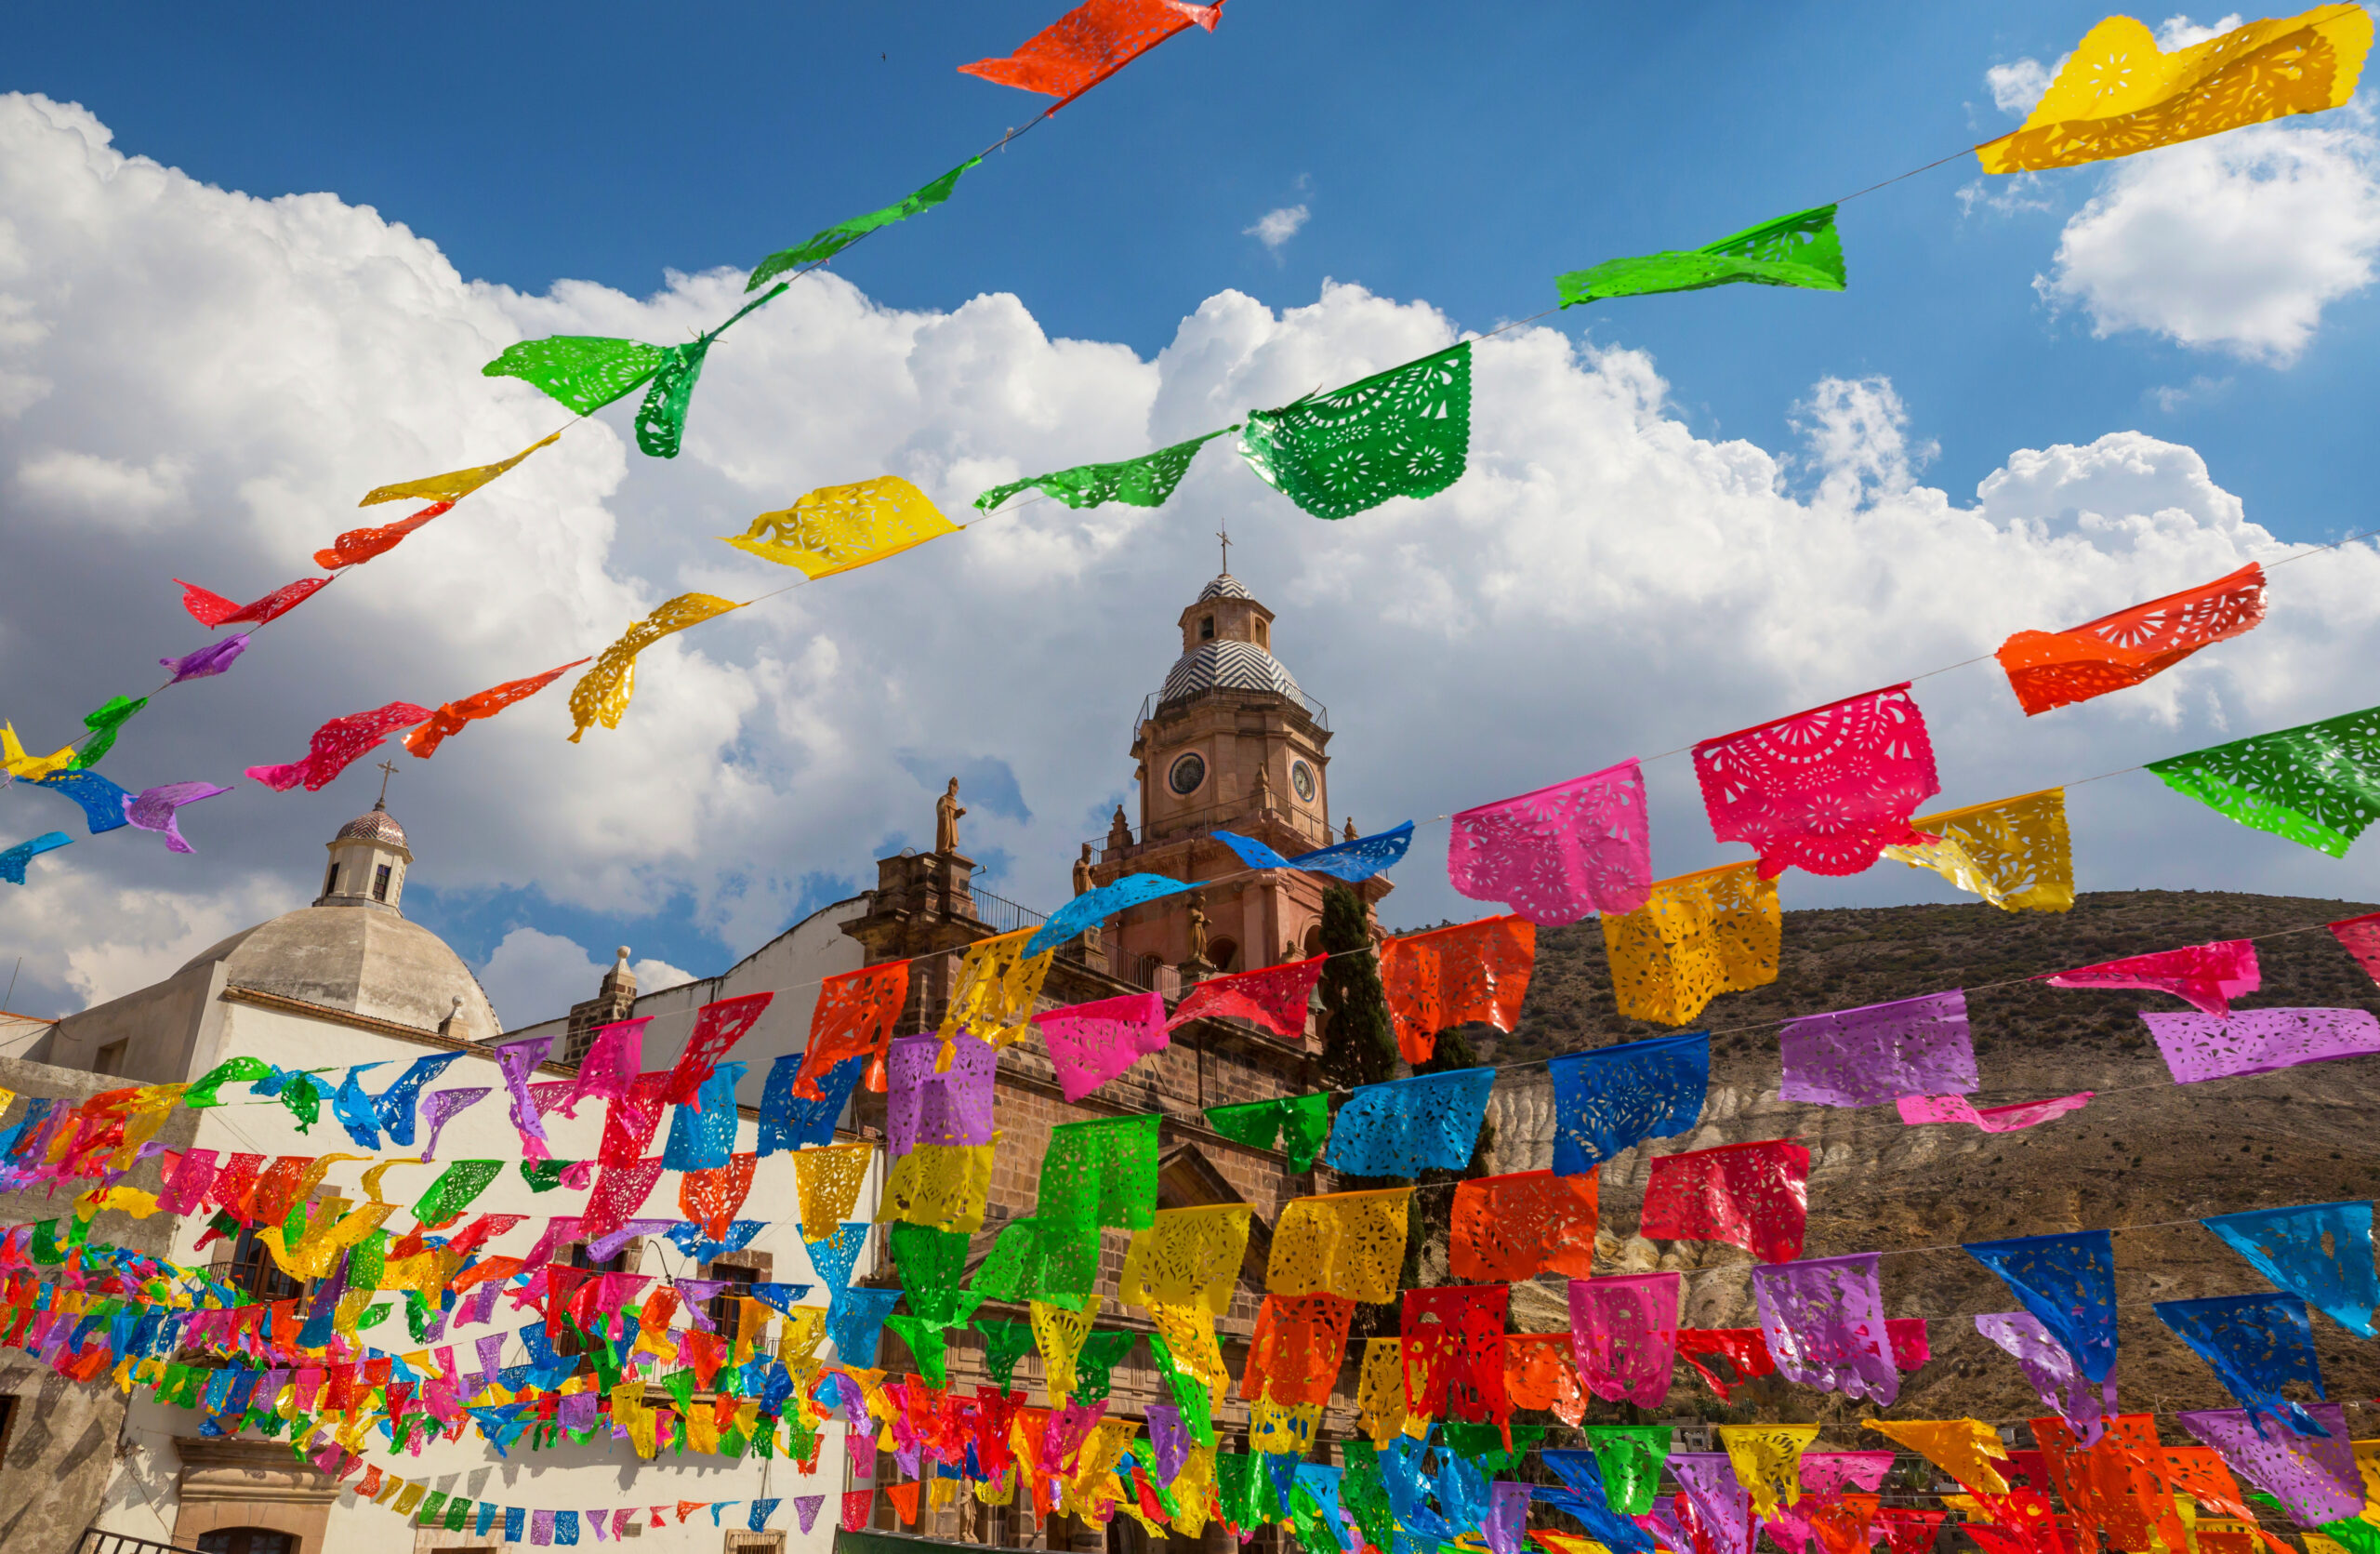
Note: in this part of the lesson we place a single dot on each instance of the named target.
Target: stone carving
(946, 811)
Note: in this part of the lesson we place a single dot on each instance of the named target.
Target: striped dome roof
(1228, 666)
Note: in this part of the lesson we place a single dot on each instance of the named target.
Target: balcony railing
(1314, 710)
(96, 1541)
(1004, 915)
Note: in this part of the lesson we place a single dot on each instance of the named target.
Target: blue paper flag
(2320, 1251)
(516, 1523)
(782, 1298)
(565, 1527)
(833, 1256)
(788, 1121)
(1428, 1122)
(396, 1104)
(13, 861)
(688, 1238)
(1359, 859)
(704, 1139)
(1323, 1484)
(1409, 1489)
(1095, 906)
(355, 1110)
(2257, 1344)
(855, 1320)
(1615, 1097)
(101, 801)
(2070, 1283)
(487, 1518)
(761, 1511)
(1584, 1496)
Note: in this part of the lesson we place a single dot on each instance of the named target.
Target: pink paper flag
(1623, 1333)
(1558, 854)
(612, 1063)
(1091, 1044)
(1917, 1110)
(336, 744)
(1828, 790)
(2207, 976)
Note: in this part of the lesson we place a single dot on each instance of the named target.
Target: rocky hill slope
(2146, 1157)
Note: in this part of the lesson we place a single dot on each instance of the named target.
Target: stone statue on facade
(946, 811)
(1082, 870)
(1197, 933)
(1119, 831)
(1351, 819)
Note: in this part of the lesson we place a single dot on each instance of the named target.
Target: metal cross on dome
(388, 770)
(1224, 534)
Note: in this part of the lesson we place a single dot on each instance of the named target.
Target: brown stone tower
(1229, 743)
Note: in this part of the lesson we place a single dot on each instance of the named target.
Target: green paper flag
(1190, 1393)
(2354, 1535)
(1052, 1261)
(1364, 1494)
(1297, 1124)
(927, 1347)
(1483, 1446)
(2318, 785)
(453, 1190)
(1630, 1457)
(842, 234)
(585, 372)
(104, 725)
(236, 1070)
(1147, 481)
(1403, 432)
(1101, 1172)
(661, 420)
(1004, 1345)
(544, 1175)
(1095, 1363)
(1797, 250)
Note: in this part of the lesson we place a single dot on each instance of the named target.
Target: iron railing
(99, 1541)
(1004, 915)
(1234, 815)
(1313, 709)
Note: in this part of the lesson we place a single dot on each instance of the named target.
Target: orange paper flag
(358, 546)
(905, 1500)
(449, 718)
(1473, 971)
(2053, 669)
(1090, 44)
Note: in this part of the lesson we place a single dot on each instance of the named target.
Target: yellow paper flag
(826, 1180)
(2119, 93)
(1767, 1460)
(1696, 936)
(2015, 853)
(941, 1185)
(31, 768)
(1187, 1257)
(1342, 1243)
(998, 986)
(452, 487)
(1965, 1449)
(836, 528)
(603, 692)
(1059, 1334)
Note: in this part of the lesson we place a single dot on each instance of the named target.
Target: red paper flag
(853, 1018)
(1744, 1348)
(1473, 971)
(213, 609)
(358, 546)
(2359, 937)
(1755, 1196)
(1828, 790)
(1275, 997)
(1294, 1354)
(1090, 44)
(717, 1028)
(336, 744)
(620, 1190)
(630, 1121)
(1452, 1340)
(2053, 669)
(450, 718)
(1909, 1532)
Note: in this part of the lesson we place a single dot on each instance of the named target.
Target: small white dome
(1225, 586)
(1227, 666)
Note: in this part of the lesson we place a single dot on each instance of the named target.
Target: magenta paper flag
(1721, 1503)
(718, 1026)
(1872, 1055)
(1558, 854)
(159, 809)
(620, 1190)
(1091, 1044)
(1623, 1334)
(2258, 1041)
(440, 1105)
(953, 1108)
(612, 1063)
(338, 743)
(1917, 1110)
(517, 1059)
(1830, 1472)
(2051, 1371)
(2359, 937)
(213, 659)
(1824, 1320)
(2315, 1480)
(2207, 976)
(186, 1185)
(1828, 790)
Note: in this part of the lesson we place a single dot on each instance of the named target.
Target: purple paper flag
(1720, 1501)
(1824, 1319)
(1874, 1056)
(440, 1107)
(213, 659)
(806, 1508)
(577, 1411)
(2258, 1041)
(2315, 1480)
(519, 1058)
(157, 809)
(1507, 1517)
(607, 1247)
(1169, 1443)
(2051, 1370)
(953, 1107)
(541, 1528)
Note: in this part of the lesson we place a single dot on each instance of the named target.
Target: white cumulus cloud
(1276, 227)
(1602, 582)
(2017, 86)
(2236, 242)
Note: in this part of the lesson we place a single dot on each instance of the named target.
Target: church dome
(366, 962)
(1227, 666)
(1225, 586)
(377, 825)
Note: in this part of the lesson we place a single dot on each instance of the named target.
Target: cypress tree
(1358, 1045)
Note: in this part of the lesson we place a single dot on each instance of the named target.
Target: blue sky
(575, 166)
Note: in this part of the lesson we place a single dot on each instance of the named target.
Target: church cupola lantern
(367, 864)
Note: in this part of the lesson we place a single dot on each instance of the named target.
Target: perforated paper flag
(1403, 432)
(2322, 1252)
(838, 528)
(1471, 971)
(1275, 998)
(2069, 1283)
(1353, 860)
(336, 744)
(2314, 1477)
(159, 809)
(1428, 1122)
(1091, 1044)
(1346, 1243)
(1872, 1055)
(2051, 1371)
(213, 609)
(2206, 976)
(2053, 669)
(1919, 1110)
(1506, 1229)
(2118, 93)
(2318, 785)
(13, 861)
(1624, 1333)
(1090, 44)
(1092, 907)
(824, 245)
(1147, 481)
(1797, 250)
(1968, 1450)
(853, 1018)
(1699, 934)
(454, 486)
(1755, 1196)
(1824, 1320)
(2258, 1041)
(603, 692)
(1826, 790)
(2257, 1344)
(1617, 1096)
(1188, 1256)
(451, 716)
(1560, 853)
(2359, 937)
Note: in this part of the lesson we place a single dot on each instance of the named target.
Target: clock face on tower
(1302, 779)
(1187, 774)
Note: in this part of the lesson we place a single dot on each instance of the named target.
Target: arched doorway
(246, 1540)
